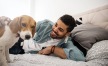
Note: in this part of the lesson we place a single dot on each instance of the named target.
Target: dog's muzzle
(27, 37)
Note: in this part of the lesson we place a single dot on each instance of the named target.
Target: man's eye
(61, 30)
(23, 24)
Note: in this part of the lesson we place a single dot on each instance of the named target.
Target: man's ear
(68, 34)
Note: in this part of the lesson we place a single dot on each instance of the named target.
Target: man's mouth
(54, 34)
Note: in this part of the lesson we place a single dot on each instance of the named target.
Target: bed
(97, 54)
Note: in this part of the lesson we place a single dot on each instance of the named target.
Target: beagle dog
(22, 26)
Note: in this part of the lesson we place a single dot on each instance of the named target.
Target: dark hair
(69, 21)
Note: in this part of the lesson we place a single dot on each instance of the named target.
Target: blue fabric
(17, 48)
(43, 30)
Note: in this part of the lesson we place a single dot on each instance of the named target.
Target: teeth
(54, 33)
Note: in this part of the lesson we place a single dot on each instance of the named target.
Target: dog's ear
(2, 30)
(15, 24)
(34, 30)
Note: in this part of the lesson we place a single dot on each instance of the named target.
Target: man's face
(59, 30)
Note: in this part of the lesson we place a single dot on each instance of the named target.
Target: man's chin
(56, 37)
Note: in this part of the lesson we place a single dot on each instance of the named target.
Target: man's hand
(46, 50)
(57, 51)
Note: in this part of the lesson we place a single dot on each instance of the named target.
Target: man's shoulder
(45, 22)
(41, 25)
(43, 30)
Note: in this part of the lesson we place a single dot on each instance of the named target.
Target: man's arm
(70, 52)
(56, 50)
(60, 52)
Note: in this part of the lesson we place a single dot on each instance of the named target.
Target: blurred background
(47, 9)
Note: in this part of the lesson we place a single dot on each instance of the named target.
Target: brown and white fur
(23, 26)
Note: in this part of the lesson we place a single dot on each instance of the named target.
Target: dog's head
(24, 26)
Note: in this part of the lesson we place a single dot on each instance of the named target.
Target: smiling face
(59, 30)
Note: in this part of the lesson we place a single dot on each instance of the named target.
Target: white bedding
(97, 56)
(40, 60)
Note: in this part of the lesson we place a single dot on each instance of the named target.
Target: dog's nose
(27, 37)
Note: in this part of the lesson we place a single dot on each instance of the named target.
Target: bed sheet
(41, 60)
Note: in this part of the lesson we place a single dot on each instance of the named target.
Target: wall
(14, 8)
(53, 9)
(47, 9)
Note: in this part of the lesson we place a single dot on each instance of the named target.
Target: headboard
(97, 16)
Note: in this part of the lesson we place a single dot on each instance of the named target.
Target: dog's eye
(23, 24)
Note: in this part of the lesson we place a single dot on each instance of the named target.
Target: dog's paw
(10, 61)
(3, 64)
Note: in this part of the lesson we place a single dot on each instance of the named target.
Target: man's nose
(55, 29)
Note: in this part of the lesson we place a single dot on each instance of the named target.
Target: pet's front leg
(3, 61)
(7, 55)
(2, 56)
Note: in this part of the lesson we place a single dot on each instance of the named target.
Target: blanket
(95, 57)
(39, 60)
(43, 60)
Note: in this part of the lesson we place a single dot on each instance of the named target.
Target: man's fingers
(40, 52)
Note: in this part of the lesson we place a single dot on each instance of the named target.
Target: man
(54, 39)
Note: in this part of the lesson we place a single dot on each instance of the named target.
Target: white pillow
(98, 51)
